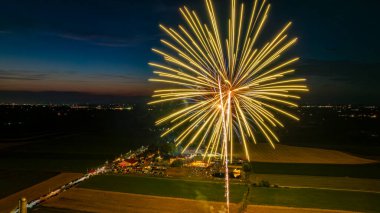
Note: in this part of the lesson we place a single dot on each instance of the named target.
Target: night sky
(85, 47)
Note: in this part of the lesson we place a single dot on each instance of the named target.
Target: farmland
(330, 170)
(78, 199)
(13, 181)
(38, 142)
(291, 154)
(316, 198)
(173, 190)
(35, 191)
(325, 182)
(198, 190)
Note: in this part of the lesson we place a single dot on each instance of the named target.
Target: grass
(201, 190)
(331, 170)
(14, 181)
(316, 198)
(198, 190)
(319, 181)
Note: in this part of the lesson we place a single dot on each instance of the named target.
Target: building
(128, 162)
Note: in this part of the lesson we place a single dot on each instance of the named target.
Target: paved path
(36, 191)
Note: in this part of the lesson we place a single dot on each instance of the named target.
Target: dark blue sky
(103, 47)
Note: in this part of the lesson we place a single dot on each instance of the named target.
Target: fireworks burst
(231, 89)
(234, 89)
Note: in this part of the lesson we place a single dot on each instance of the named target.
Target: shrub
(177, 163)
(264, 183)
(247, 167)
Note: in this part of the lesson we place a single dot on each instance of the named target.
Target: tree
(177, 163)
(247, 167)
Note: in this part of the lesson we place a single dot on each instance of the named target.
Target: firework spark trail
(234, 88)
(225, 141)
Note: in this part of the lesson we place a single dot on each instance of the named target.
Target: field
(38, 142)
(332, 170)
(37, 190)
(317, 198)
(303, 181)
(13, 181)
(203, 190)
(65, 140)
(78, 200)
(291, 154)
(197, 190)
(104, 201)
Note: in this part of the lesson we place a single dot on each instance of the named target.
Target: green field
(332, 170)
(202, 190)
(345, 183)
(14, 181)
(317, 198)
(198, 190)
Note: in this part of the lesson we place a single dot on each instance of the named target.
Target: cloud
(95, 82)
(115, 77)
(22, 75)
(108, 41)
(71, 77)
(68, 97)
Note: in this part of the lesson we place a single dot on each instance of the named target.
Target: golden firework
(233, 89)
